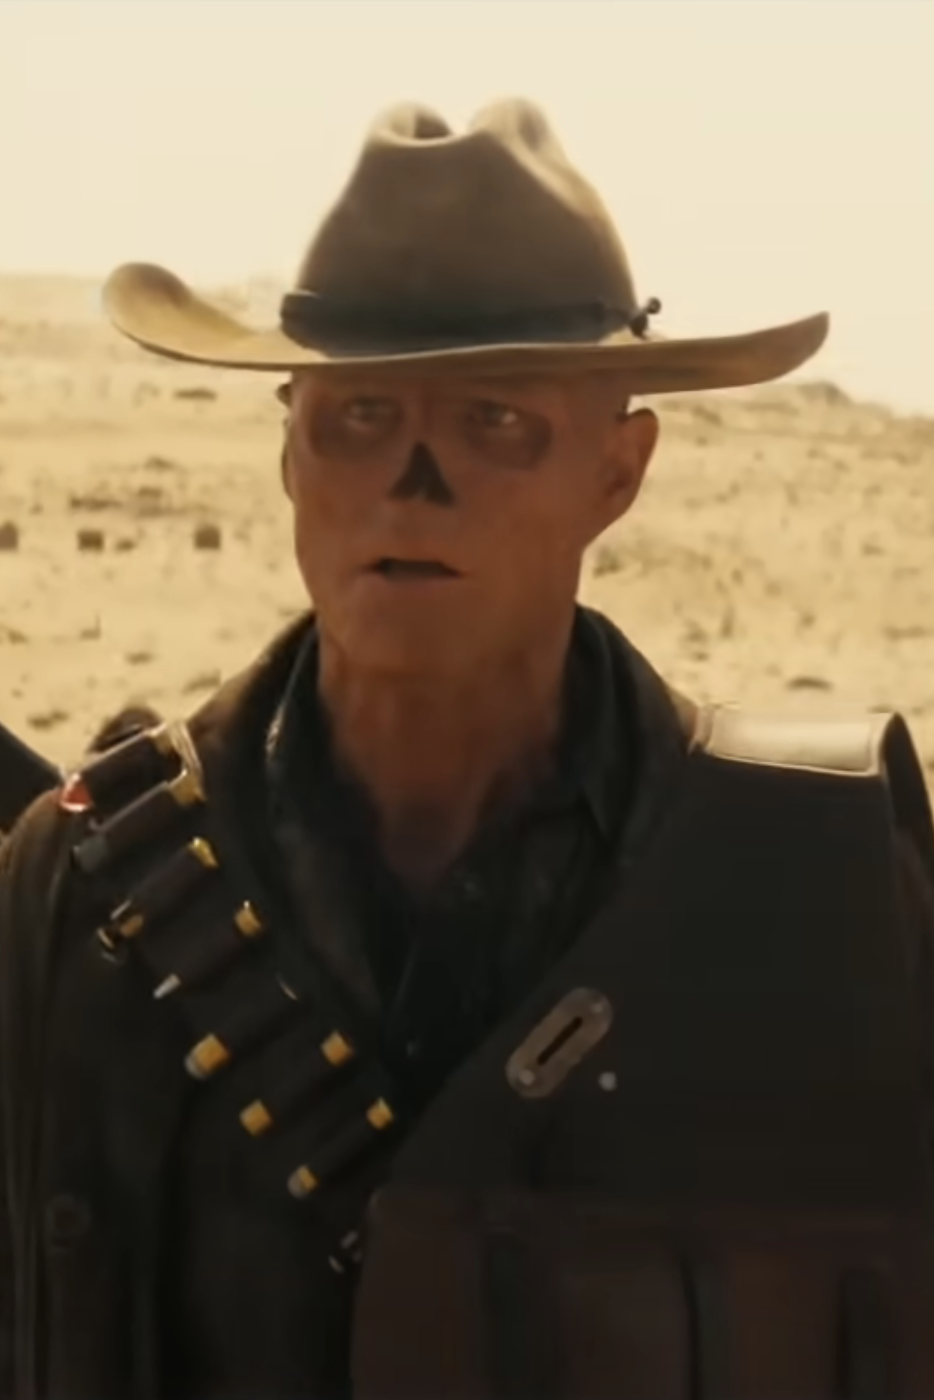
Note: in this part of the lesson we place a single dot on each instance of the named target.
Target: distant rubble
(807, 411)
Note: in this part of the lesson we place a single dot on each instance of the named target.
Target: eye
(487, 413)
(364, 413)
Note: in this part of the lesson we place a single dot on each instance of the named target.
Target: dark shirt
(433, 974)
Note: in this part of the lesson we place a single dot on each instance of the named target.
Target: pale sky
(762, 160)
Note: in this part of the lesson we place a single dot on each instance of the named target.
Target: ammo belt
(173, 908)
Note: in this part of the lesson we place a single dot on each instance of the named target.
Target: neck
(437, 754)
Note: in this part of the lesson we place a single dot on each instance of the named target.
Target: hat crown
(461, 253)
(493, 219)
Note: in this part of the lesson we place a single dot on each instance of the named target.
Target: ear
(630, 446)
(285, 473)
(284, 395)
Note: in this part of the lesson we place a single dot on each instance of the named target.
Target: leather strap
(325, 1106)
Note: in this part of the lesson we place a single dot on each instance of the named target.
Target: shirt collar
(593, 751)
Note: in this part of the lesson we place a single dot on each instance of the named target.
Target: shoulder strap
(875, 745)
(320, 1105)
(839, 746)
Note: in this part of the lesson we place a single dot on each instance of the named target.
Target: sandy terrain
(781, 552)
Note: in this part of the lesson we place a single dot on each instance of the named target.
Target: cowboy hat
(479, 253)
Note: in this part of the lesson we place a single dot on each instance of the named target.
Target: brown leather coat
(98, 1118)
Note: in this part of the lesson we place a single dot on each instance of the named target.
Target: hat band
(307, 315)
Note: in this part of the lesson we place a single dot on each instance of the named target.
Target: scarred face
(441, 522)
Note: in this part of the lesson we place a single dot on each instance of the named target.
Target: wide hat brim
(154, 308)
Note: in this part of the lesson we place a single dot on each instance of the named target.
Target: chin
(406, 654)
(404, 645)
(408, 631)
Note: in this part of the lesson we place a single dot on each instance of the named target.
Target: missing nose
(423, 478)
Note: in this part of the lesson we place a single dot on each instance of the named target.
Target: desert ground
(781, 554)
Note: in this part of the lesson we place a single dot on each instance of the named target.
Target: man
(450, 1008)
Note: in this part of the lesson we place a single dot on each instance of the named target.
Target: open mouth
(413, 569)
